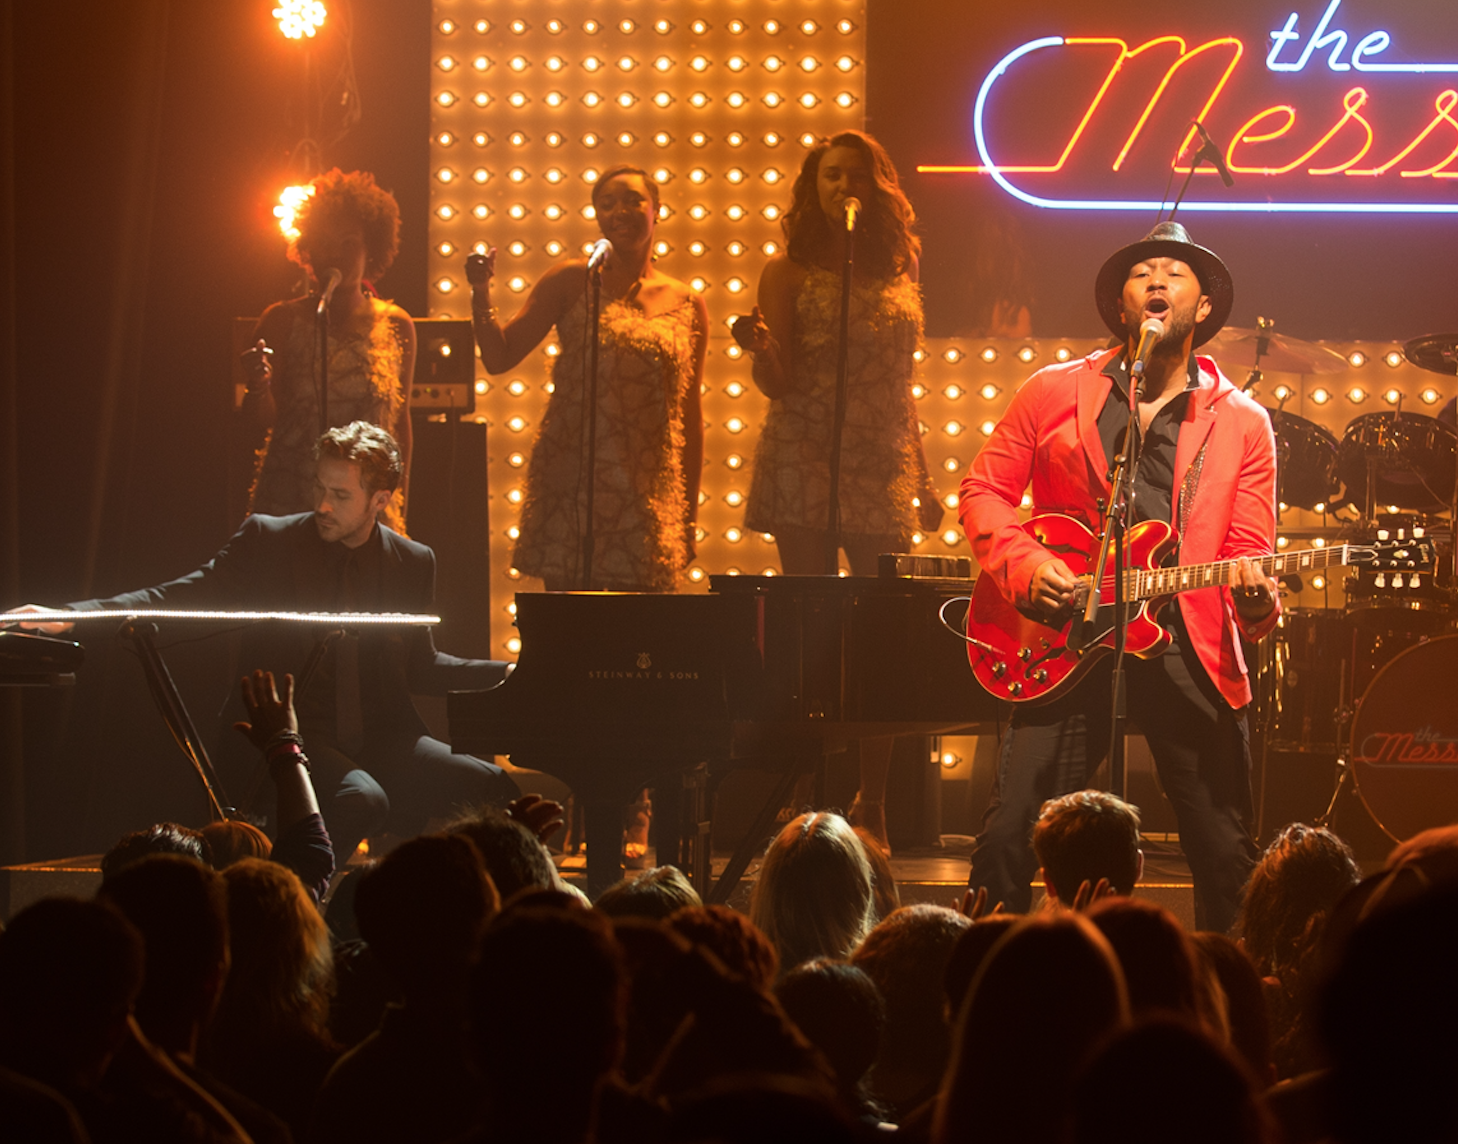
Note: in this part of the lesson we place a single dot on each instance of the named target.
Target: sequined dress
(364, 385)
(883, 469)
(645, 366)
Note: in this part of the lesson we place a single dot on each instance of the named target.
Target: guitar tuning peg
(1381, 580)
(1418, 532)
(1383, 534)
(1413, 582)
(1397, 580)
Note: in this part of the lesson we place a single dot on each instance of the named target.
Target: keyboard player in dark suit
(374, 765)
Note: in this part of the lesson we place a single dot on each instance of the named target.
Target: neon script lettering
(1333, 137)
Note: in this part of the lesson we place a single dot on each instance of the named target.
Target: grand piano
(617, 691)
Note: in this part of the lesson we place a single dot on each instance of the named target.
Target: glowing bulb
(735, 248)
(734, 175)
(734, 498)
(953, 428)
(591, 27)
(445, 285)
(592, 64)
(554, 63)
(591, 99)
(771, 212)
(1392, 397)
(736, 99)
(1027, 354)
(734, 461)
(446, 249)
(481, 98)
(1357, 359)
(734, 425)
(699, 27)
(734, 389)
(481, 212)
(698, 99)
(845, 64)
(698, 212)
(516, 424)
(663, 27)
(989, 354)
(734, 285)
(447, 27)
(770, 248)
(554, 248)
(517, 211)
(734, 212)
(845, 27)
(951, 464)
(698, 285)
(589, 175)
(699, 63)
(445, 212)
(989, 392)
(953, 355)
(809, 27)
(809, 99)
(626, 27)
(1356, 394)
(516, 387)
(662, 99)
(1062, 353)
(446, 63)
(290, 199)
(697, 248)
(736, 63)
(446, 98)
(773, 63)
(809, 64)
(481, 139)
(553, 211)
(845, 99)
(664, 139)
(1320, 396)
(519, 27)
(952, 392)
(554, 99)
(1282, 393)
(772, 99)
(517, 284)
(298, 19)
(809, 139)
(481, 27)
(1393, 358)
(517, 248)
(661, 249)
(698, 175)
(951, 537)
(771, 139)
(1430, 396)
(772, 27)
(553, 175)
(480, 175)
(516, 175)
(736, 27)
(627, 99)
(662, 64)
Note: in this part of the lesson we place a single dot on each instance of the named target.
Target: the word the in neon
(1373, 44)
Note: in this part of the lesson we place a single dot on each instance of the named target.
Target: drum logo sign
(1422, 748)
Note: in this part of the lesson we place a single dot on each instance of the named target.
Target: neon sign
(1338, 143)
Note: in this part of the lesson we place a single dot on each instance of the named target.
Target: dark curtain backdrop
(144, 144)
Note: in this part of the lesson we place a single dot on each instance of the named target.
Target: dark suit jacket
(281, 563)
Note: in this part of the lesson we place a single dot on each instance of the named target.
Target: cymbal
(1280, 353)
(1436, 353)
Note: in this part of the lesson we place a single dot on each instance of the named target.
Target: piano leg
(796, 764)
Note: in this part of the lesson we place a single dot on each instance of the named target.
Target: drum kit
(1373, 683)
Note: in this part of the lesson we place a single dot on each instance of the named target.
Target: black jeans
(1201, 747)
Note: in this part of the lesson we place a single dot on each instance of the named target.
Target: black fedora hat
(1166, 240)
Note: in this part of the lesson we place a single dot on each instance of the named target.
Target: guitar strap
(1189, 486)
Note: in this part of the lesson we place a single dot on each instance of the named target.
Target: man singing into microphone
(1207, 465)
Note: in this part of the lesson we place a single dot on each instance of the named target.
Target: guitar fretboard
(1140, 584)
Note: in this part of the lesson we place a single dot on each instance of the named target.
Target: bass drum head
(1405, 740)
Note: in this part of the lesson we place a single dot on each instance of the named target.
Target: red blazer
(1049, 437)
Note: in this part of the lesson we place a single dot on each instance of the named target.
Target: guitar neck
(1145, 585)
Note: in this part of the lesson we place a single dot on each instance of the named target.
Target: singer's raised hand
(481, 268)
(257, 365)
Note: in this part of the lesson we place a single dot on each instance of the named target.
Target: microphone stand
(594, 315)
(321, 324)
(837, 426)
(1120, 515)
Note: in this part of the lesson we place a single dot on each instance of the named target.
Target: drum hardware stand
(842, 374)
(1344, 717)
(143, 637)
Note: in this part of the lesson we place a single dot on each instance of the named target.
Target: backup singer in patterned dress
(654, 334)
(351, 225)
(885, 492)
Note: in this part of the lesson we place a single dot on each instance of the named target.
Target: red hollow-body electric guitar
(1028, 657)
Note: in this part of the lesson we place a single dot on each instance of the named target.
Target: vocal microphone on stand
(1212, 152)
(852, 208)
(332, 279)
(1149, 334)
(600, 250)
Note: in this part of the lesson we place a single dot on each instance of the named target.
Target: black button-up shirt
(1154, 479)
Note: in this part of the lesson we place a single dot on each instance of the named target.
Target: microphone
(1149, 334)
(332, 279)
(852, 208)
(600, 250)
(1213, 153)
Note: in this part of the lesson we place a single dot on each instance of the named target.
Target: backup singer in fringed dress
(794, 335)
(645, 365)
(351, 225)
(649, 438)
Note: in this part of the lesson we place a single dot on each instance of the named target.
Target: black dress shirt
(1154, 478)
